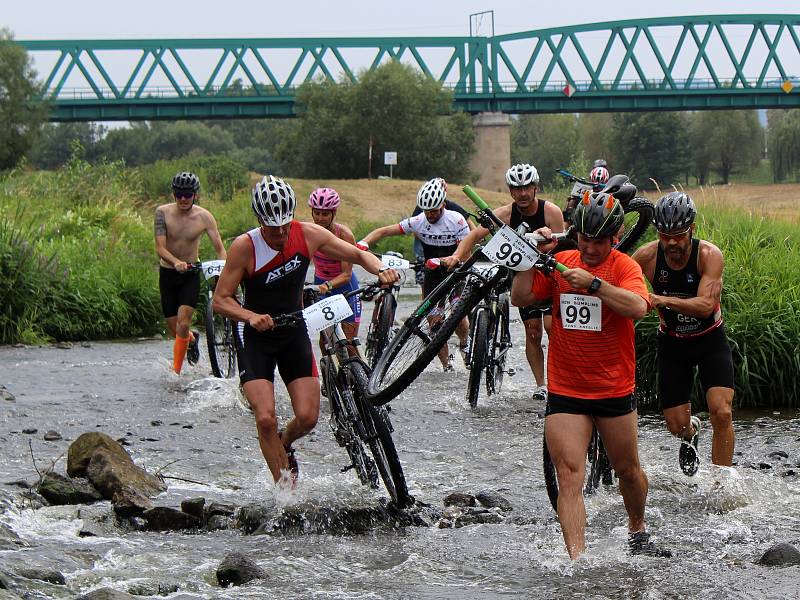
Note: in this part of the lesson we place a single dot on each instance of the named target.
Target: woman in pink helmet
(333, 276)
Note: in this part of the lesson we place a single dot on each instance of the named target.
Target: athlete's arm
(622, 301)
(160, 227)
(347, 267)
(323, 240)
(646, 257)
(380, 233)
(709, 290)
(475, 235)
(235, 269)
(213, 234)
(553, 217)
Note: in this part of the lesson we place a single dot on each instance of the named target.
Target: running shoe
(193, 350)
(540, 395)
(294, 466)
(464, 349)
(687, 455)
(640, 544)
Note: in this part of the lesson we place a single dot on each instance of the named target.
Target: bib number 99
(508, 256)
(579, 311)
(575, 314)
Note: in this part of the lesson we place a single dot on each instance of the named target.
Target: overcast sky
(108, 19)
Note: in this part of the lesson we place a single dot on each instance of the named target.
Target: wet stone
(52, 436)
(459, 499)
(156, 423)
(106, 594)
(218, 508)
(252, 516)
(153, 588)
(764, 466)
(164, 518)
(6, 395)
(57, 489)
(64, 345)
(778, 454)
(193, 506)
(30, 430)
(238, 569)
(780, 554)
(48, 575)
(219, 523)
(491, 499)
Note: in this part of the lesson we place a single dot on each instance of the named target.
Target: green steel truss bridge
(676, 63)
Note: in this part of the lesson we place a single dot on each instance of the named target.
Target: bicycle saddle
(621, 188)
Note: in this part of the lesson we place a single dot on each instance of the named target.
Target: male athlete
(271, 262)
(178, 229)
(686, 275)
(522, 183)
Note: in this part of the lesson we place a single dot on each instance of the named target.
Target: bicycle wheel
(219, 338)
(550, 475)
(645, 210)
(501, 344)
(378, 429)
(341, 423)
(420, 338)
(477, 354)
(593, 470)
(380, 327)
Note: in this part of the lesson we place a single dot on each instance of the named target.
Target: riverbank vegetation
(77, 259)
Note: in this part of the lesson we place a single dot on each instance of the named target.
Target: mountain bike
(354, 421)
(432, 323)
(381, 326)
(489, 335)
(219, 329)
(623, 190)
(598, 469)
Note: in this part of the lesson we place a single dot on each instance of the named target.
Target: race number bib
(509, 249)
(581, 312)
(326, 312)
(212, 268)
(579, 188)
(394, 262)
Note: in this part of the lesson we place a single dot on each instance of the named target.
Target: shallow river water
(717, 523)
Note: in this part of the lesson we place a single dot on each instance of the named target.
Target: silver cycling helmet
(675, 212)
(274, 201)
(521, 175)
(432, 195)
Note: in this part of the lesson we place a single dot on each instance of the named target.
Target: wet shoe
(448, 368)
(464, 349)
(193, 349)
(687, 455)
(640, 544)
(294, 466)
(540, 395)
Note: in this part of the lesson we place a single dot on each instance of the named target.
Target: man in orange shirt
(591, 365)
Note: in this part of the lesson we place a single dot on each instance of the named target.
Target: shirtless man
(178, 229)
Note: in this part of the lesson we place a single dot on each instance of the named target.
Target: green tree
(396, 109)
(20, 116)
(594, 138)
(651, 145)
(549, 142)
(52, 147)
(724, 141)
(783, 143)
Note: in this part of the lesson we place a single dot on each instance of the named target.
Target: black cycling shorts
(432, 278)
(534, 311)
(678, 357)
(177, 289)
(258, 355)
(604, 407)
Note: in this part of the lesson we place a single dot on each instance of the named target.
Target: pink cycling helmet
(599, 175)
(324, 199)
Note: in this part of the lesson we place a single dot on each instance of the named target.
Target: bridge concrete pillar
(492, 155)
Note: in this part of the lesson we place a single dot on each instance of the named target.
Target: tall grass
(761, 308)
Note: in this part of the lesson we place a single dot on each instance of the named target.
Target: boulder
(251, 516)
(218, 508)
(48, 575)
(779, 555)
(6, 395)
(98, 521)
(193, 506)
(106, 594)
(164, 518)
(237, 569)
(52, 436)
(219, 522)
(110, 473)
(490, 499)
(57, 489)
(9, 540)
(459, 499)
(153, 588)
(128, 503)
(81, 450)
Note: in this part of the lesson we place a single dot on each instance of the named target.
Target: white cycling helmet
(432, 195)
(274, 201)
(522, 175)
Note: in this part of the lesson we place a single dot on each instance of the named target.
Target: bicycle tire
(501, 343)
(381, 445)
(220, 343)
(345, 435)
(477, 354)
(413, 344)
(632, 235)
(380, 328)
(550, 474)
(594, 468)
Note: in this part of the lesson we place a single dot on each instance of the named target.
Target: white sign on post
(390, 158)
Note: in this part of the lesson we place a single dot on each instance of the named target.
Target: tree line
(343, 130)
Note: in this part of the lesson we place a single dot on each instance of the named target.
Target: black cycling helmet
(675, 212)
(598, 215)
(185, 182)
(600, 162)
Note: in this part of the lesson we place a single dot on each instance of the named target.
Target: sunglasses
(676, 234)
(181, 194)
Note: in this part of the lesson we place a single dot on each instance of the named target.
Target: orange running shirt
(592, 365)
